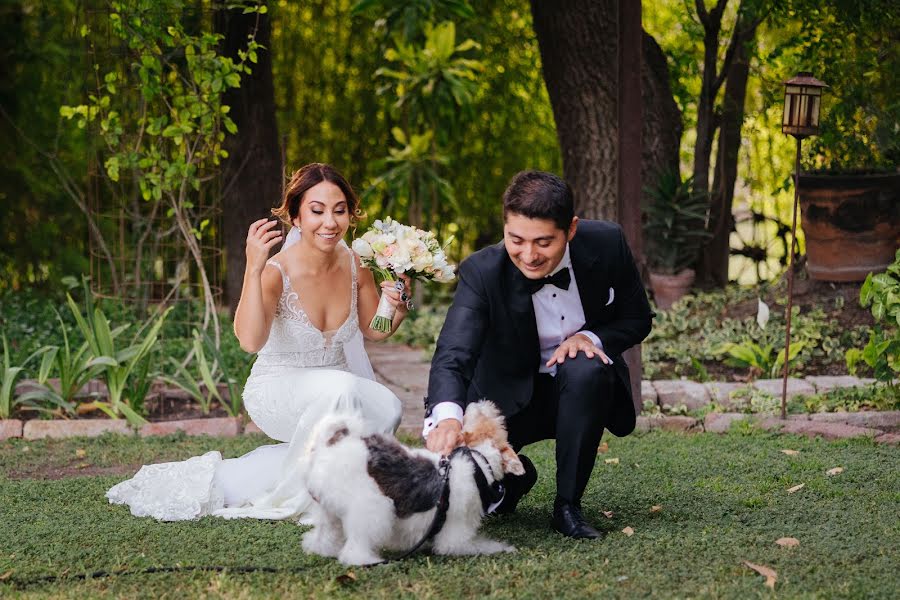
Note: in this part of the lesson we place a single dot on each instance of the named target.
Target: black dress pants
(571, 408)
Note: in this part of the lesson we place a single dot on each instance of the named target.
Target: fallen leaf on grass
(6, 576)
(767, 572)
(796, 488)
(611, 461)
(655, 508)
(834, 471)
(82, 465)
(80, 453)
(628, 531)
(608, 514)
(622, 578)
(790, 452)
(603, 448)
(787, 542)
(347, 578)
(26, 448)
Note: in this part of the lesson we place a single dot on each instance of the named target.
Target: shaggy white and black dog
(371, 493)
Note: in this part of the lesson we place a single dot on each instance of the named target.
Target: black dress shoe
(568, 520)
(516, 487)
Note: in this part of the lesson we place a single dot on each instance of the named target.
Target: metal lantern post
(802, 102)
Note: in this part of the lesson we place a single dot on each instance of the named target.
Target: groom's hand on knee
(575, 344)
(445, 437)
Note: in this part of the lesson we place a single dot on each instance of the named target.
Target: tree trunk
(577, 40)
(253, 172)
(662, 127)
(710, 84)
(714, 261)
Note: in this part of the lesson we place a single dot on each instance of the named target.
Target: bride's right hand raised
(260, 239)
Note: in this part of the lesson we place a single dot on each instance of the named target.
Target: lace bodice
(295, 342)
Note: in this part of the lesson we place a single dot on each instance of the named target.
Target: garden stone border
(58, 428)
(883, 427)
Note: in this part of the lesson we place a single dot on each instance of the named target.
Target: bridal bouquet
(390, 248)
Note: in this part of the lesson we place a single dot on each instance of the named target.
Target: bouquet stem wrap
(384, 314)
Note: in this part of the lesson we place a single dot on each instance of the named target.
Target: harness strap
(488, 493)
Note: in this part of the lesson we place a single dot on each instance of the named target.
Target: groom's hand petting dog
(445, 437)
(371, 493)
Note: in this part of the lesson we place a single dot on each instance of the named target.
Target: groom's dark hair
(540, 195)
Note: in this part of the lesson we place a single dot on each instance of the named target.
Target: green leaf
(47, 363)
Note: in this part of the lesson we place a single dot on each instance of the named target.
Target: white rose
(362, 247)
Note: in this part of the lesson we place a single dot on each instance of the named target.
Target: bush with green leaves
(33, 322)
(211, 369)
(123, 368)
(8, 377)
(881, 292)
(422, 328)
(73, 367)
(695, 330)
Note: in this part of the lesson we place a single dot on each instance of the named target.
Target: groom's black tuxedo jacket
(488, 347)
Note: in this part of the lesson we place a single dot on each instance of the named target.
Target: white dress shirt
(558, 315)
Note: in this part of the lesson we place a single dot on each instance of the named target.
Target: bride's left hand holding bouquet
(392, 249)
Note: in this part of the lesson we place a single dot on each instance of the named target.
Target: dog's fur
(372, 493)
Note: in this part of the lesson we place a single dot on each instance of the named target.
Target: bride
(300, 311)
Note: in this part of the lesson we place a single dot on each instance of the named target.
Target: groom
(538, 325)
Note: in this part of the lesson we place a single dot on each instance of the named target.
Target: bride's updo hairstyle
(306, 177)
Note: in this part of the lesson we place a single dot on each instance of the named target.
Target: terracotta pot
(851, 224)
(668, 289)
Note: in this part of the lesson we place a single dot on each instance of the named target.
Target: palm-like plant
(74, 367)
(410, 178)
(117, 364)
(409, 16)
(432, 82)
(675, 223)
(8, 377)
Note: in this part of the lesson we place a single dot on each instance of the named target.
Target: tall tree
(711, 117)
(253, 172)
(714, 261)
(579, 53)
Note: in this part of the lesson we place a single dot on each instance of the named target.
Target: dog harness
(491, 494)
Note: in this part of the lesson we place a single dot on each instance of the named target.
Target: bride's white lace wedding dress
(300, 375)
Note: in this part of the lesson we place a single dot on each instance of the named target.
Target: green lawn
(724, 501)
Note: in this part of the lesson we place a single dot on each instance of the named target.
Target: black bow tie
(561, 280)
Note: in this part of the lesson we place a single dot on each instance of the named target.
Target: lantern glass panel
(814, 109)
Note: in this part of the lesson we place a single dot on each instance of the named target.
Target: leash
(489, 494)
(26, 583)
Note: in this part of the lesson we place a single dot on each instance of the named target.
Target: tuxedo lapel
(583, 262)
(521, 308)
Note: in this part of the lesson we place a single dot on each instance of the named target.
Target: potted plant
(850, 202)
(674, 229)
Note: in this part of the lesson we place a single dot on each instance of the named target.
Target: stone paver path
(405, 371)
